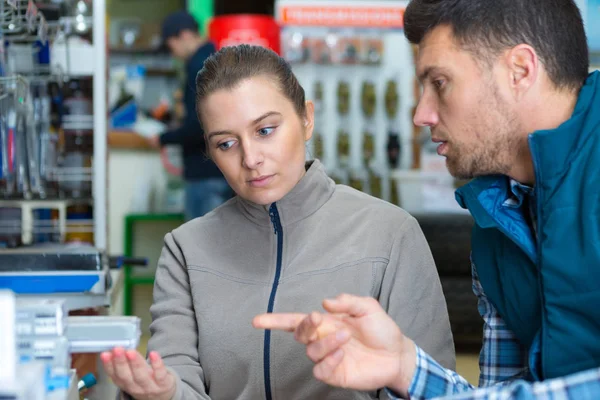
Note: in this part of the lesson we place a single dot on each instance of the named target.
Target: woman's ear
(309, 120)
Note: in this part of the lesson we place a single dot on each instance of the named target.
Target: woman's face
(257, 139)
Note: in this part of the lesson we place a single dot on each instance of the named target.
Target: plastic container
(40, 317)
(10, 227)
(45, 225)
(231, 30)
(74, 59)
(7, 337)
(80, 228)
(98, 334)
(78, 128)
(54, 351)
(21, 58)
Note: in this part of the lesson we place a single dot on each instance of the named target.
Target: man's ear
(523, 67)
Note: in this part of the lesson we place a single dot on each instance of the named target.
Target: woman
(289, 238)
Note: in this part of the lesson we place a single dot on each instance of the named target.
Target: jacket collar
(554, 150)
(310, 194)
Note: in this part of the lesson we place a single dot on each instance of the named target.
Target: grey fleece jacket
(219, 271)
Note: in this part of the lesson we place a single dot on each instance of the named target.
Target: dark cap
(176, 23)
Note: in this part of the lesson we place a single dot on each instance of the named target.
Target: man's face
(177, 47)
(467, 108)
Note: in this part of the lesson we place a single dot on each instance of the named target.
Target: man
(205, 187)
(507, 95)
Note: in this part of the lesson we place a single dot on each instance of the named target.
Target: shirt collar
(518, 193)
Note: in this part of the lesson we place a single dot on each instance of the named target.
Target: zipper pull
(273, 220)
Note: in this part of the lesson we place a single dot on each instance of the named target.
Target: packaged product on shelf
(40, 317)
(8, 127)
(368, 99)
(393, 150)
(10, 227)
(52, 350)
(318, 97)
(45, 145)
(392, 105)
(372, 50)
(343, 147)
(295, 47)
(21, 156)
(347, 50)
(44, 225)
(78, 130)
(80, 226)
(319, 49)
(392, 99)
(368, 147)
(343, 97)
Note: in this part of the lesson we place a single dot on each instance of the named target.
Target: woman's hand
(133, 375)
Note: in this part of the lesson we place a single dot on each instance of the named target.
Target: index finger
(279, 321)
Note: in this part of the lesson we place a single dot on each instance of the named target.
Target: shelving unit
(100, 181)
(49, 52)
(22, 24)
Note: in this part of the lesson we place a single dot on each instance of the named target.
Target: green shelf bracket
(130, 281)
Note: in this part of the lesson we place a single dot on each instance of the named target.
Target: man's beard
(499, 145)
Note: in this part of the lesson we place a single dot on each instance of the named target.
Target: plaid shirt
(503, 365)
(503, 360)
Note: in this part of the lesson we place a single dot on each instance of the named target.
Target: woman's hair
(230, 66)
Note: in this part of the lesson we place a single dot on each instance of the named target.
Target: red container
(231, 30)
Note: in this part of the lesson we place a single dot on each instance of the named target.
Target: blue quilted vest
(546, 287)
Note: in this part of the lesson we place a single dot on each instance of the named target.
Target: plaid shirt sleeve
(580, 386)
(502, 358)
(503, 363)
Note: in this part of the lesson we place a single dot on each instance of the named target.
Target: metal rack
(22, 24)
(20, 19)
(76, 49)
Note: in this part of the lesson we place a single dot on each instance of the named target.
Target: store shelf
(75, 301)
(128, 140)
(44, 203)
(137, 50)
(168, 72)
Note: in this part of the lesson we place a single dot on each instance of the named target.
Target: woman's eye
(225, 145)
(266, 131)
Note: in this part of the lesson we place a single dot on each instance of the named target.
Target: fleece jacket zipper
(276, 221)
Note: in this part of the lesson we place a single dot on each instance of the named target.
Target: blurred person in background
(205, 186)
